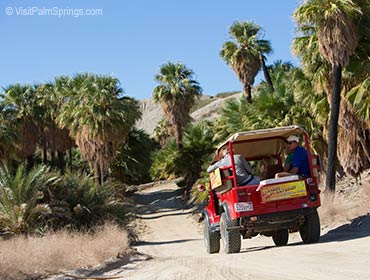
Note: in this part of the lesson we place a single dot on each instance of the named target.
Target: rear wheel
(211, 239)
(230, 238)
(280, 237)
(310, 230)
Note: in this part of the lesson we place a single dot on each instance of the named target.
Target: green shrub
(164, 161)
(132, 162)
(198, 144)
(37, 200)
(21, 207)
(197, 147)
(78, 201)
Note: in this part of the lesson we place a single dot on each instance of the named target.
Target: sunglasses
(290, 143)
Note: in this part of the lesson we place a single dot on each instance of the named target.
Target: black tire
(230, 238)
(310, 230)
(280, 237)
(211, 239)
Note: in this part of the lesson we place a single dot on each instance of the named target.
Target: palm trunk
(333, 126)
(44, 154)
(247, 92)
(178, 136)
(70, 158)
(30, 162)
(52, 156)
(266, 72)
(101, 172)
(97, 172)
(60, 162)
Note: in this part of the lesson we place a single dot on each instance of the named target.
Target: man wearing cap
(299, 165)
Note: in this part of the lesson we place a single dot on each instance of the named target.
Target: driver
(299, 161)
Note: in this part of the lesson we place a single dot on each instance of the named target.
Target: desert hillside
(207, 107)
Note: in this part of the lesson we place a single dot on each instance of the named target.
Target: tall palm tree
(359, 68)
(176, 92)
(98, 117)
(54, 138)
(290, 103)
(23, 114)
(333, 22)
(8, 136)
(7, 139)
(245, 53)
(354, 130)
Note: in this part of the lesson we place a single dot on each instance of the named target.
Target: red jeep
(274, 207)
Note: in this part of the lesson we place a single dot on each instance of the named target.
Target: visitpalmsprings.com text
(52, 11)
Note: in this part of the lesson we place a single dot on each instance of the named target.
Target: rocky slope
(152, 112)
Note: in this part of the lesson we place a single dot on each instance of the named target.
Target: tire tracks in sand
(175, 241)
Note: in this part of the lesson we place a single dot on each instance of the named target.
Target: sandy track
(175, 241)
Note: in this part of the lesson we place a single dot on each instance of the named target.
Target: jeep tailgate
(275, 198)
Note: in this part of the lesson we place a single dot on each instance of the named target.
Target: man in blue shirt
(299, 164)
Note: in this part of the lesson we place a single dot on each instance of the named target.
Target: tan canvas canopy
(260, 143)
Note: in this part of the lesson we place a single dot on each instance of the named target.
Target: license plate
(243, 206)
(283, 191)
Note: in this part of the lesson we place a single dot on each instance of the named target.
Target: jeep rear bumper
(291, 220)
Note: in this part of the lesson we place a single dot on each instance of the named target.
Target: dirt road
(175, 241)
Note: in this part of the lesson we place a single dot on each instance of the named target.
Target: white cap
(293, 138)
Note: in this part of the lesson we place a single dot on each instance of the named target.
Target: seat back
(272, 169)
(227, 184)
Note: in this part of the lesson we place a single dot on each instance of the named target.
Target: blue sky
(131, 39)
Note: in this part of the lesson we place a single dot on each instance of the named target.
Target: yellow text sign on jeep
(283, 191)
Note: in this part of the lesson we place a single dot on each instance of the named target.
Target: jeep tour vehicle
(274, 207)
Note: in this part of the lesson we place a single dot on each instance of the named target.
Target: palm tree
(234, 117)
(292, 102)
(353, 132)
(198, 147)
(245, 53)
(8, 136)
(132, 161)
(22, 113)
(98, 117)
(176, 92)
(53, 138)
(161, 132)
(358, 95)
(7, 139)
(163, 166)
(332, 20)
